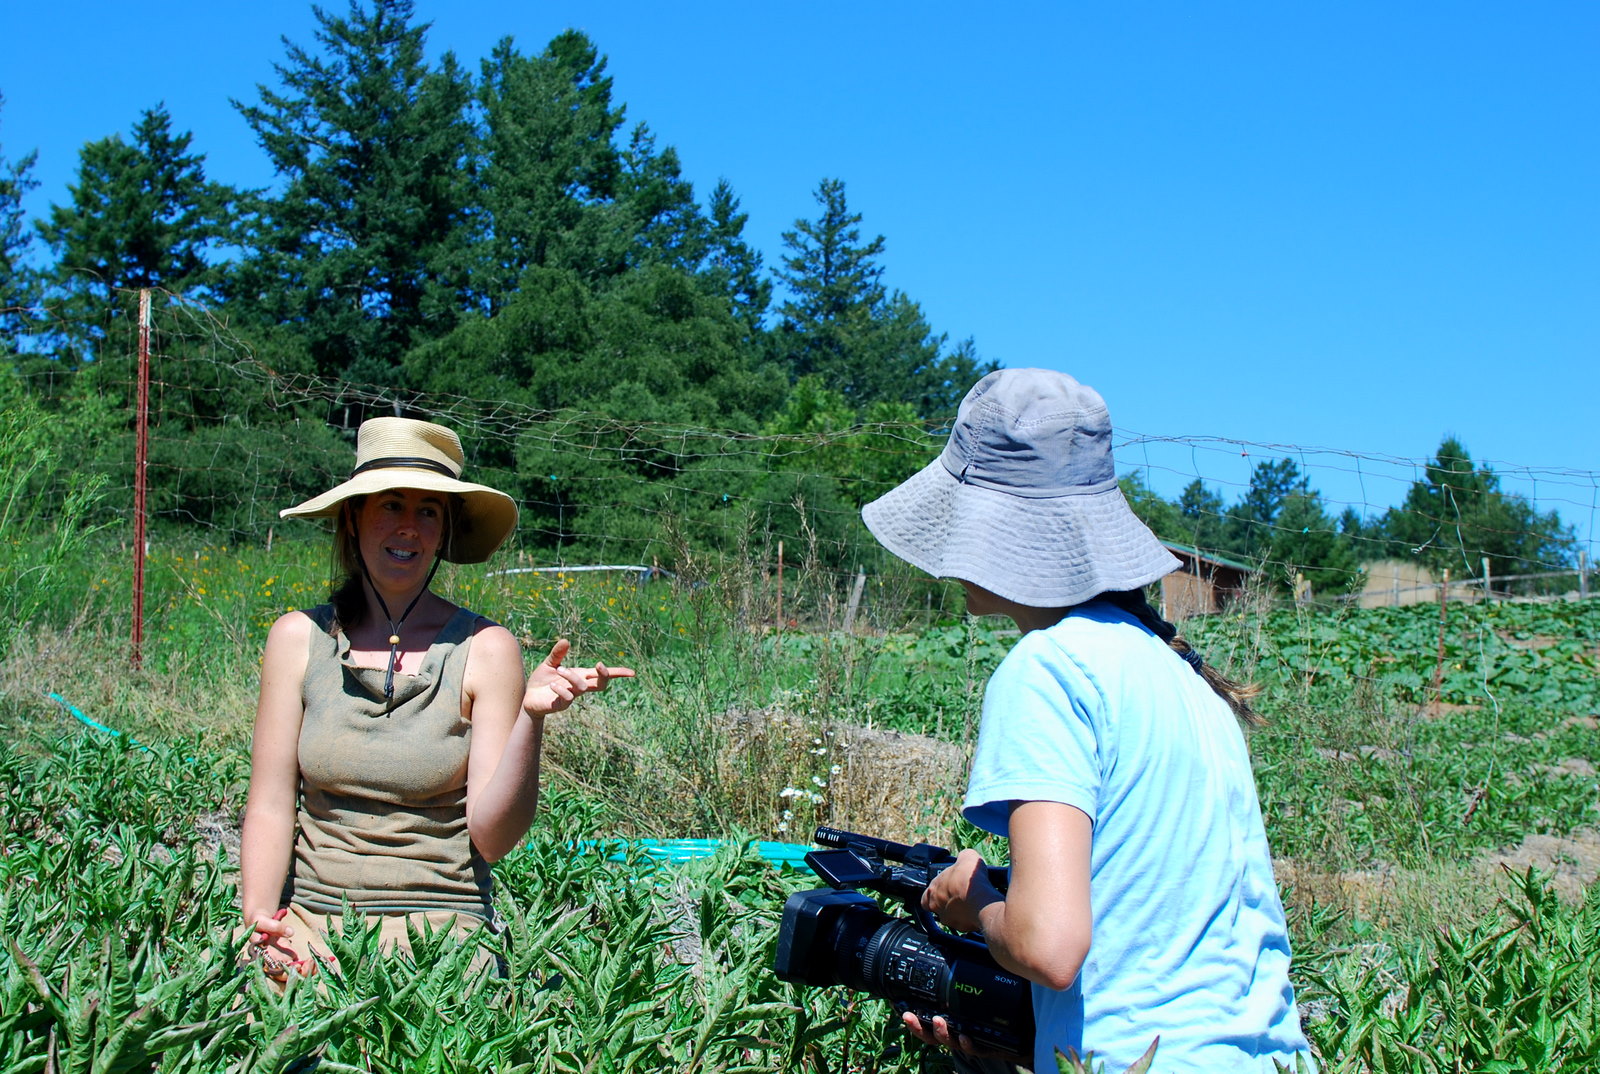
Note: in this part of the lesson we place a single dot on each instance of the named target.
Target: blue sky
(1348, 227)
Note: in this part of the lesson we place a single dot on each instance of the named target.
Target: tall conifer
(841, 324)
(16, 277)
(141, 214)
(365, 250)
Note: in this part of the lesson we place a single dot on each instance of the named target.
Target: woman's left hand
(552, 687)
(958, 895)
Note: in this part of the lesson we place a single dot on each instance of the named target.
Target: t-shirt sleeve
(1038, 740)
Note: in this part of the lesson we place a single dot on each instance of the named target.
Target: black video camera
(836, 935)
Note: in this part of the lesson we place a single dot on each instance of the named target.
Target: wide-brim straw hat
(403, 453)
(1024, 500)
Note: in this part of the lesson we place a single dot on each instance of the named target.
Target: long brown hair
(1237, 695)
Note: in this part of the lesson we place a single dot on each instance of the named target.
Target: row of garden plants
(118, 919)
(117, 900)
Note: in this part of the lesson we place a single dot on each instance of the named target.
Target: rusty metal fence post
(141, 453)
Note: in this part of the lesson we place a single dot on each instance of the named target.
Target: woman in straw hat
(1141, 902)
(396, 746)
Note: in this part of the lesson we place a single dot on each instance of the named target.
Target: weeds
(1381, 793)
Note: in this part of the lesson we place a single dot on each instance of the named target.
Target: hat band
(1013, 488)
(405, 462)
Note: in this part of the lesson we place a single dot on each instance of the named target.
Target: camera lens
(842, 937)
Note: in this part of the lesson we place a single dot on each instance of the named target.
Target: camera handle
(932, 861)
(930, 925)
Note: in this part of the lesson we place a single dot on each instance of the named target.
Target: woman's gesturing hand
(552, 687)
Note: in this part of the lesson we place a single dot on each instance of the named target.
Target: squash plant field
(1409, 799)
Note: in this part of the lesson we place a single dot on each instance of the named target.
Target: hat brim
(1040, 552)
(490, 515)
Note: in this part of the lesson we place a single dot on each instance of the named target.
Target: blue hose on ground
(70, 707)
(667, 851)
(678, 851)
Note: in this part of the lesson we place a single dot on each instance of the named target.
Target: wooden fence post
(855, 600)
(1488, 590)
(1444, 618)
(780, 585)
(1583, 575)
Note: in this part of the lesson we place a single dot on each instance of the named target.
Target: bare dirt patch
(1581, 767)
(220, 835)
(1436, 708)
(1536, 642)
(1572, 861)
(1444, 895)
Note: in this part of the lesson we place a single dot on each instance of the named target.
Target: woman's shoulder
(489, 637)
(297, 625)
(1099, 630)
(472, 624)
(289, 644)
(1079, 649)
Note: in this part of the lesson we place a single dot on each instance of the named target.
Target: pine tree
(656, 219)
(836, 285)
(1306, 542)
(550, 168)
(841, 324)
(141, 214)
(17, 279)
(732, 265)
(1202, 513)
(1249, 529)
(1457, 515)
(366, 250)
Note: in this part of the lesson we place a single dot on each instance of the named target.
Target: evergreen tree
(1365, 536)
(141, 214)
(732, 266)
(1160, 514)
(1457, 515)
(550, 165)
(17, 282)
(656, 218)
(1250, 522)
(1305, 541)
(366, 250)
(1202, 513)
(842, 325)
(836, 284)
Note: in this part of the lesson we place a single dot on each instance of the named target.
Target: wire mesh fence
(235, 434)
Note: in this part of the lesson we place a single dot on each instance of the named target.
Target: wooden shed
(1204, 584)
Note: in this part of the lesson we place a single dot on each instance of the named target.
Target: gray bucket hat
(1023, 500)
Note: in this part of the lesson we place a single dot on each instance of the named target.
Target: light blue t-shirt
(1188, 940)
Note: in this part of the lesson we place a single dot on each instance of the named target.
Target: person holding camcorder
(1141, 903)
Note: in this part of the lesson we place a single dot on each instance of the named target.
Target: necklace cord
(394, 626)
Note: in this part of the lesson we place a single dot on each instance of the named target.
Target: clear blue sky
(1354, 227)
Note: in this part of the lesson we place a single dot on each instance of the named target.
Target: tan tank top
(383, 787)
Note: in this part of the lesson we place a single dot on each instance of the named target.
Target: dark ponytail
(1237, 695)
